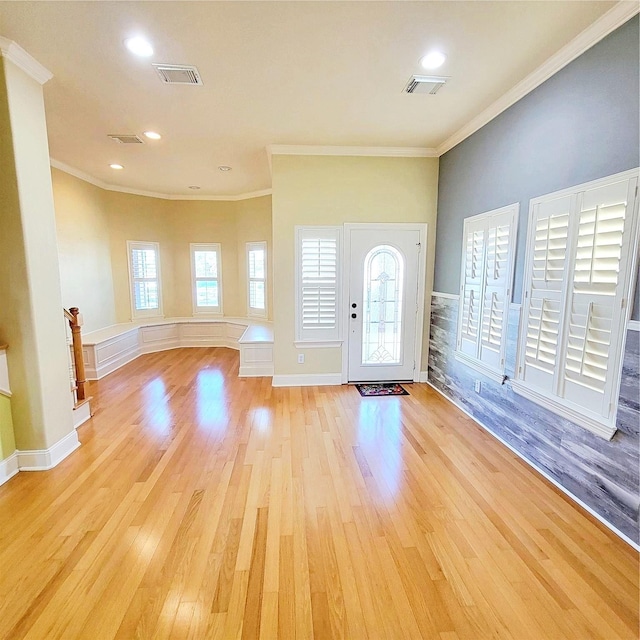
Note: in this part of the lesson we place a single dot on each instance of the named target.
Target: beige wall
(83, 249)
(316, 190)
(203, 221)
(143, 219)
(94, 226)
(253, 224)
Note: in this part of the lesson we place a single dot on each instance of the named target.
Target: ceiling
(274, 73)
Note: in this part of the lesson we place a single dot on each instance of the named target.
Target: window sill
(597, 426)
(322, 344)
(492, 374)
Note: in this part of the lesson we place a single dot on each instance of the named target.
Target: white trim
(424, 376)
(14, 52)
(56, 164)
(5, 392)
(377, 152)
(328, 344)
(108, 349)
(9, 467)
(608, 22)
(633, 325)
(81, 414)
(255, 371)
(45, 459)
(480, 367)
(598, 427)
(516, 306)
(543, 473)
(448, 296)
(307, 380)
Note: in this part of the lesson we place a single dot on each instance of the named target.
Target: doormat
(381, 389)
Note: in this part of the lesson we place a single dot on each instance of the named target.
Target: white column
(31, 319)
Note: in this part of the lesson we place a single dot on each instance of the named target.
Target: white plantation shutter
(497, 288)
(485, 288)
(578, 275)
(317, 258)
(471, 287)
(594, 296)
(542, 309)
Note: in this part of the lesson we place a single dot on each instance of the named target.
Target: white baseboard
(543, 473)
(424, 376)
(45, 459)
(8, 467)
(255, 371)
(307, 380)
(81, 414)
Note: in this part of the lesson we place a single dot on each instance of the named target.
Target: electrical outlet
(301, 358)
(478, 386)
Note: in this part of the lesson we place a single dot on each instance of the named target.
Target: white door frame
(421, 227)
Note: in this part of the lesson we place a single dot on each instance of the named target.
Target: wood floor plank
(203, 506)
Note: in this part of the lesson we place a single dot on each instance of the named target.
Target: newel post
(76, 338)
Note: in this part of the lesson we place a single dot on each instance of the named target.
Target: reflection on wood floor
(201, 505)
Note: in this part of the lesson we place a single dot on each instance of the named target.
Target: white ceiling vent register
(126, 138)
(178, 74)
(425, 84)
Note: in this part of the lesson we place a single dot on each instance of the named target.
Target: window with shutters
(488, 250)
(579, 272)
(206, 277)
(257, 279)
(318, 251)
(144, 279)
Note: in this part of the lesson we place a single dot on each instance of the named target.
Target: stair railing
(78, 359)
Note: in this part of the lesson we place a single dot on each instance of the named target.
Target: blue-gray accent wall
(580, 125)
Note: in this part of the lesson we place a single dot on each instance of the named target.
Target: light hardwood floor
(206, 506)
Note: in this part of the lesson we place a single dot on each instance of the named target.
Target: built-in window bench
(106, 350)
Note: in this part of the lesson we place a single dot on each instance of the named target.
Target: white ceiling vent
(425, 84)
(126, 138)
(178, 74)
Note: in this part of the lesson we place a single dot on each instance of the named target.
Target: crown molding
(14, 52)
(379, 152)
(608, 22)
(56, 164)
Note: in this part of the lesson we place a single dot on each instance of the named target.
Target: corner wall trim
(608, 22)
(376, 152)
(307, 380)
(25, 61)
(543, 473)
(8, 467)
(81, 175)
(45, 459)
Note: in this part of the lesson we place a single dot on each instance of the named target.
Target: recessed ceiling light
(139, 46)
(152, 135)
(194, 186)
(224, 167)
(116, 166)
(433, 60)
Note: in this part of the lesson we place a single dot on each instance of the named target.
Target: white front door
(383, 302)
